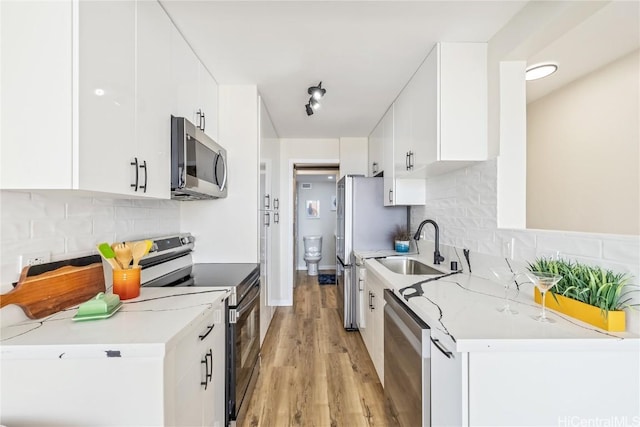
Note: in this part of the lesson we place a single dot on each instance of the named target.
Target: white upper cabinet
(441, 115)
(438, 122)
(184, 67)
(88, 93)
(195, 90)
(375, 150)
(154, 100)
(107, 96)
(208, 102)
(397, 191)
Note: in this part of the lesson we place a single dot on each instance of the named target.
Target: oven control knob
(184, 240)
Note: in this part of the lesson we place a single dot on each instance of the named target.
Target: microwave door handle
(224, 166)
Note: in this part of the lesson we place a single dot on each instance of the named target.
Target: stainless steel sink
(408, 266)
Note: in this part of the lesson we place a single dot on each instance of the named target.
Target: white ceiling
(362, 51)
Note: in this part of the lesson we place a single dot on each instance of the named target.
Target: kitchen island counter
(490, 368)
(464, 307)
(146, 326)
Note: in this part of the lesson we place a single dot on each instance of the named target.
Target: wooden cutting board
(48, 292)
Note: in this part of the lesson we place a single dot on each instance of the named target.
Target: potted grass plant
(401, 238)
(592, 294)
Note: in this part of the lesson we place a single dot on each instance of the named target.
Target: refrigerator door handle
(342, 263)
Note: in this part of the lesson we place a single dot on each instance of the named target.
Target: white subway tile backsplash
(623, 251)
(575, 246)
(125, 212)
(69, 225)
(15, 229)
(42, 228)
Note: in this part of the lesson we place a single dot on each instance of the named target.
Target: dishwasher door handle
(440, 347)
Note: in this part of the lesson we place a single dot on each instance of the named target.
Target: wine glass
(544, 282)
(505, 276)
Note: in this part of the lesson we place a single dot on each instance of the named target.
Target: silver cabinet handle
(199, 114)
(441, 348)
(276, 204)
(411, 153)
(267, 219)
(374, 168)
(390, 195)
(276, 218)
(204, 121)
(373, 301)
(267, 201)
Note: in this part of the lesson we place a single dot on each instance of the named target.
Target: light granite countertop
(146, 326)
(464, 306)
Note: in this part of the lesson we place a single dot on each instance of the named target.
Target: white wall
(324, 226)
(583, 153)
(463, 203)
(69, 225)
(226, 230)
(292, 151)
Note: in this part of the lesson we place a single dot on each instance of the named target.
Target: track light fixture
(316, 92)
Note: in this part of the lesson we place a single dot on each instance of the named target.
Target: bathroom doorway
(314, 214)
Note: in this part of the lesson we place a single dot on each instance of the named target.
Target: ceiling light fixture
(316, 92)
(539, 71)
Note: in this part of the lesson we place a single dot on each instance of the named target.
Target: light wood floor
(314, 373)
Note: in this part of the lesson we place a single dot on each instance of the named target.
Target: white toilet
(312, 253)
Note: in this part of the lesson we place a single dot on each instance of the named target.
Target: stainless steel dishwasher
(407, 363)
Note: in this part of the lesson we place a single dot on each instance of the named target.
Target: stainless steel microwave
(198, 163)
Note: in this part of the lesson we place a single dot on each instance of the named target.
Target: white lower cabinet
(447, 390)
(199, 363)
(136, 385)
(373, 333)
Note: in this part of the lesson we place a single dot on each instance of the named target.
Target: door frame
(288, 260)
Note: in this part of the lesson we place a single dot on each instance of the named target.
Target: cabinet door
(213, 398)
(377, 326)
(402, 133)
(387, 157)
(463, 99)
(446, 381)
(367, 337)
(425, 128)
(190, 368)
(208, 102)
(36, 58)
(106, 96)
(154, 101)
(375, 150)
(184, 70)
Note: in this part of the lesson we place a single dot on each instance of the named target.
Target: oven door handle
(244, 307)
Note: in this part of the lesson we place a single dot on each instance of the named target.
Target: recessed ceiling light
(330, 177)
(539, 71)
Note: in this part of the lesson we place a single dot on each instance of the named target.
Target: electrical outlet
(34, 258)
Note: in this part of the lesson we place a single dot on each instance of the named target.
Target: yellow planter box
(614, 322)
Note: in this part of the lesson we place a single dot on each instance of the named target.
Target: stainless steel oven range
(170, 264)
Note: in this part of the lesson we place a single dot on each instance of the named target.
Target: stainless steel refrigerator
(364, 224)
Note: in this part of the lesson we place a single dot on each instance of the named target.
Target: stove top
(222, 274)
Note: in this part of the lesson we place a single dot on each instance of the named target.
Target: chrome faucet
(437, 258)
